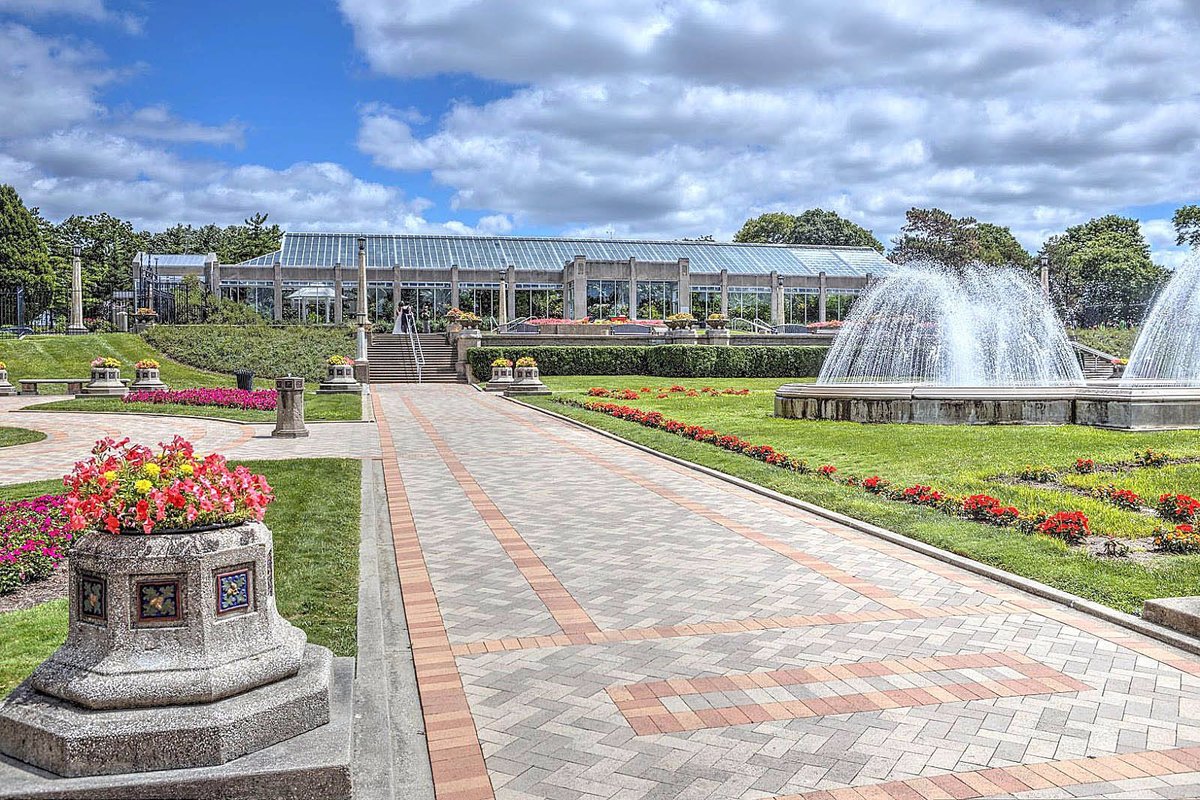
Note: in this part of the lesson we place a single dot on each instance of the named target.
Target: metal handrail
(756, 325)
(414, 342)
(1083, 348)
(508, 326)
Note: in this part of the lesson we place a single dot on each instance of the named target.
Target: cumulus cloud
(94, 10)
(687, 116)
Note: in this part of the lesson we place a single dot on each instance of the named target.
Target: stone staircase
(1096, 364)
(391, 359)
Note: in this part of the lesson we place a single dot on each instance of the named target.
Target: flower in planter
(341, 361)
(103, 362)
(714, 317)
(467, 318)
(526, 361)
(146, 363)
(503, 363)
(681, 317)
(1178, 507)
(454, 313)
(1182, 539)
(3, 365)
(126, 487)
(1120, 362)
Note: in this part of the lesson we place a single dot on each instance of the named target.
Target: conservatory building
(314, 277)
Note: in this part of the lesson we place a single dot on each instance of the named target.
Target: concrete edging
(1036, 588)
(35, 410)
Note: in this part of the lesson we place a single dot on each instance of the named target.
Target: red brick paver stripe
(564, 608)
(725, 627)
(641, 703)
(1021, 778)
(459, 772)
(823, 568)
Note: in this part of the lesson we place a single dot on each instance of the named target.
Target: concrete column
(277, 269)
(725, 292)
(338, 277)
(75, 323)
(1045, 277)
(360, 357)
(684, 287)
(212, 275)
(580, 287)
(510, 300)
(776, 299)
(822, 291)
(454, 285)
(633, 281)
(470, 337)
(289, 409)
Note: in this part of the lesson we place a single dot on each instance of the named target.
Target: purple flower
(261, 400)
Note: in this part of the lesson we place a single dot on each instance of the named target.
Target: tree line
(36, 253)
(1100, 271)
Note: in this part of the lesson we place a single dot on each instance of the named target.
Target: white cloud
(1017, 113)
(94, 10)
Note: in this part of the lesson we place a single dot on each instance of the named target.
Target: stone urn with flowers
(6, 387)
(106, 378)
(526, 379)
(146, 377)
(502, 375)
(176, 655)
(339, 377)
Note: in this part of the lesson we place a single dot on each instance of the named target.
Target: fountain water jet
(1168, 348)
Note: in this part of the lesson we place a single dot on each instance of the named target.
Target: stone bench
(29, 386)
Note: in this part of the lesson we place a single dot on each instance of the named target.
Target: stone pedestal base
(105, 382)
(528, 382)
(148, 380)
(6, 387)
(289, 411)
(502, 378)
(716, 336)
(339, 379)
(682, 336)
(313, 764)
(68, 740)
(1179, 613)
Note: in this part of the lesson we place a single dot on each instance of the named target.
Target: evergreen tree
(24, 257)
(816, 226)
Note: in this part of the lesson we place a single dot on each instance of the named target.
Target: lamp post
(1044, 262)
(360, 360)
(75, 324)
(502, 311)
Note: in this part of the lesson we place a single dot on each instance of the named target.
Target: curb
(1036, 588)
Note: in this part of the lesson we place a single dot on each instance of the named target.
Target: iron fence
(26, 310)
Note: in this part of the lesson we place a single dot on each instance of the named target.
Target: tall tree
(24, 257)
(254, 238)
(815, 226)
(1187, 225)
(108, 246)
(1101, 272)
(999, 247)
(930, 234)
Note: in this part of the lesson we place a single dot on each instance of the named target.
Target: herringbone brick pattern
(619, 627)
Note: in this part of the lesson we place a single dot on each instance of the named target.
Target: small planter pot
(105, 382)
(6, 387)
(339, 379)
(502, 378)
(147, 380)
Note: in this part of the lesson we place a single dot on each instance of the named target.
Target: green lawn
(1149, 483)
(957, 459)
(14, 436)
(315, 520)
(70, 357)
(317, 408)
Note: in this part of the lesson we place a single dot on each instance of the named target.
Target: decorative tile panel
(235, 589)
(157, 601)
(93, 598)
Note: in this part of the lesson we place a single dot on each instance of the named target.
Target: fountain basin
(1104, 405)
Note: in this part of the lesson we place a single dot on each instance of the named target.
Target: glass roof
(172, 259)
(529, 253)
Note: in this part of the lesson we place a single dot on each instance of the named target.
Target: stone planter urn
(502, 378)
(526, 381)
(717, 324)
(339, 379)
(6, 387)
(469, 324)
(105, 382)
(175, 657)
(147, 380)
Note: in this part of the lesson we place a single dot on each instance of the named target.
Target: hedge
(667, 361)
(267, 351)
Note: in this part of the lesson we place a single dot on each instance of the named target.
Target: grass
(315, 521)
(70, 357)
(1149, 483)
(10, 437)
(317, 408)
(958, 459)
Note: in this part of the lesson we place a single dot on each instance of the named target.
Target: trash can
(245, 379)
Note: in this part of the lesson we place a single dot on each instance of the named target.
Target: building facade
(314, 277)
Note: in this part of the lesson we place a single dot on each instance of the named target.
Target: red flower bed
(985, 508)
(1122, 498)
(1183, 539)
(1085, 465)
(920, 495)
(1178, 507)
(1070, 526)
(826, 470)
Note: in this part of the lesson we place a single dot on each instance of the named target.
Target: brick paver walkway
(589, 621)
(70, 437)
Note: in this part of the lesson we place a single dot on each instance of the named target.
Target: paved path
(70, 436)
(589, 621)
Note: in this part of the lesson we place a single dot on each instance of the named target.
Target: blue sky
(678, 118)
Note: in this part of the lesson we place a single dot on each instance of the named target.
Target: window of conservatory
(657, 299)
(607, 298)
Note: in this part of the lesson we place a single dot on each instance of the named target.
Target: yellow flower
(110, 476)
(143, 486)
(153, 469)
(187, 469)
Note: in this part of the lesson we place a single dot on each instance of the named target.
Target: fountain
(927, 344)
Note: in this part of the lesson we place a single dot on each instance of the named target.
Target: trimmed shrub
(667, 361)
(267, 351)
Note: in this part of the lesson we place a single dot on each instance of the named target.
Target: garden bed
(317, 408)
